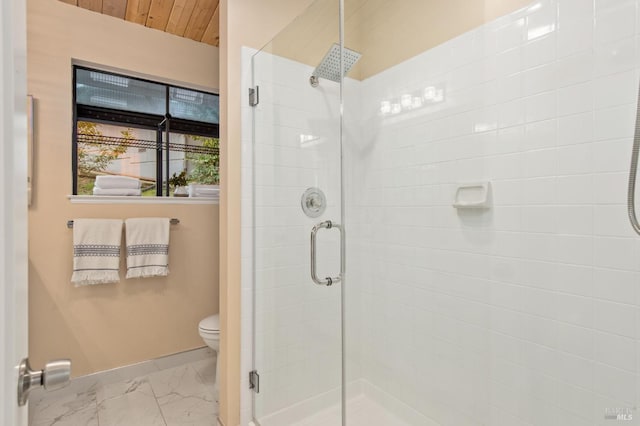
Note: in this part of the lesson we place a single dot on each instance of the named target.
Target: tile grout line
(155, 398)
(96, 404)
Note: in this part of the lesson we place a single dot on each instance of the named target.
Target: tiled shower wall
(526, 313)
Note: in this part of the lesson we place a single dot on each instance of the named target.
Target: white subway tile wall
(527, 313)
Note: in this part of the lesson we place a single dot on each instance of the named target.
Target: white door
(13, 210)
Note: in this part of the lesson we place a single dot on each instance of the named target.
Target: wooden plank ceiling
(194, 19)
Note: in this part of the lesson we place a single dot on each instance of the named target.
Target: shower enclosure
(435, 225)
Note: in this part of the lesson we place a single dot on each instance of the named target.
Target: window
(142, 129)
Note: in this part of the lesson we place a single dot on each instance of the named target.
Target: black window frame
(158, 123)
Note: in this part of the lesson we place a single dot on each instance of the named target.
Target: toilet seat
(210, 325)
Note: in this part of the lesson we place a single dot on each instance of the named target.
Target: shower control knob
(313, 202)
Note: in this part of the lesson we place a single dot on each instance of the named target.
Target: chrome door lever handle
(327, 224)
(54, 375)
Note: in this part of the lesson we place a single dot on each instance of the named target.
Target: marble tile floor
(176, 396)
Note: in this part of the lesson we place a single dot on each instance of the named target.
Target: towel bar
(173, 221)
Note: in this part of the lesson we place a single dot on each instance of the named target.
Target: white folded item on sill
(116, 182)
(202, 190)
(204, 195)
(117, 191)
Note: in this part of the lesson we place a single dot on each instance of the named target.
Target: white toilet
(209, 330)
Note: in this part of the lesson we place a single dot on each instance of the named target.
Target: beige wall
(242, 23)
(385, 32)
(102, 327)
(388, 33)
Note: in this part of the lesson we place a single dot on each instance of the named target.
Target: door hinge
(254, 381)
(254, 96)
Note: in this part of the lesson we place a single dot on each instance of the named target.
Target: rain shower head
(329, 68)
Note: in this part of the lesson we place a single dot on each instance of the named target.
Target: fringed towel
(96, 251)
(147, 247)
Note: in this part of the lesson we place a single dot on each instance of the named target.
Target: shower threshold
(369, 407)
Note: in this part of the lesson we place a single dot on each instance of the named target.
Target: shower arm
(631, 195)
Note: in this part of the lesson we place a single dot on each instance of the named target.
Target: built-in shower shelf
(473, 196)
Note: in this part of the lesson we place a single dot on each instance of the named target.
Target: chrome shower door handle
(327, 224)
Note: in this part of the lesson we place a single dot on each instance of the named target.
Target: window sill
(105, 199)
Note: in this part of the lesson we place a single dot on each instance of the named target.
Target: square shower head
(329, 68)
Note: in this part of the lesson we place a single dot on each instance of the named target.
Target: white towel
(147, 247)
(96, 251)
(201, 190)
(118, 182)
(116, 191)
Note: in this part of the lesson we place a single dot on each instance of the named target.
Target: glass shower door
(296, 212)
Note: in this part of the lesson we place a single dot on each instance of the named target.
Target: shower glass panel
(520, 306)
(296, 186)
(492, 277)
